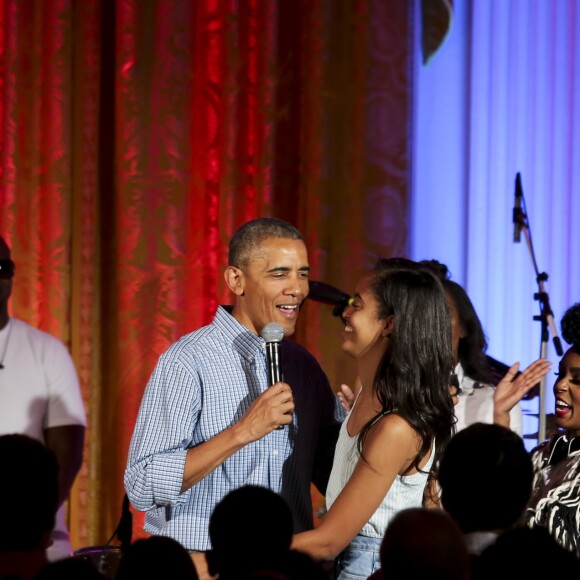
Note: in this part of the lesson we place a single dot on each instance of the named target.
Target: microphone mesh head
(272, 332)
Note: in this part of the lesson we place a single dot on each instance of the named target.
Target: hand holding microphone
(270, 411)
(274, 407)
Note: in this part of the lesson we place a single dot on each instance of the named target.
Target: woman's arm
(389, 448)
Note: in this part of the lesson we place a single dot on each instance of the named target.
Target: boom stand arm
(546, 317)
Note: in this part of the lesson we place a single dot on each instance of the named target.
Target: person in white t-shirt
(40, 397)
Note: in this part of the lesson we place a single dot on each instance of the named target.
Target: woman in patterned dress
(555, 500)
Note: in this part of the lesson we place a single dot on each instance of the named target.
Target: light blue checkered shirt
(201, 385)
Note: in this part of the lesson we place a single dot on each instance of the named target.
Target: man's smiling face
(272, 285)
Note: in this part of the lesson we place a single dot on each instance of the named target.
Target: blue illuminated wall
(502, 96)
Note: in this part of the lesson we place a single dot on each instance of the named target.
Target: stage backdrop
(135, 136)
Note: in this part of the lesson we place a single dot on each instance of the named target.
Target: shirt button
(275, 452)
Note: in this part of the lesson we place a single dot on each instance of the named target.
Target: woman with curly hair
(555, 501)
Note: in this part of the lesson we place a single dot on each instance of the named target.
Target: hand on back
(346, 397)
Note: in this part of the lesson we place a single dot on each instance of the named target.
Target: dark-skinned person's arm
(66, 442)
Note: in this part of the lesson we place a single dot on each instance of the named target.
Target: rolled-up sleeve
(163, 433)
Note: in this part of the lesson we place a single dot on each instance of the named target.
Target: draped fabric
(136, 136)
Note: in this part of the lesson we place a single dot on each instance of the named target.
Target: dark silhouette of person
(156, 557)
(29, 490)
(424, 543)
(72, 568)
(530, 553)
(251, 531)
(485, 477)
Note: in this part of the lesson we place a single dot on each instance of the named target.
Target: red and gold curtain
(136, 135)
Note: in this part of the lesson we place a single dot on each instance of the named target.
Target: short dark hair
(485, 477)
(31, 507)
(236, 530)
(424, 543)
(523, 552)
(156, 557)
(247, 238)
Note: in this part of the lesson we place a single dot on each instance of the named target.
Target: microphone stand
(546, 316)
(124, 530)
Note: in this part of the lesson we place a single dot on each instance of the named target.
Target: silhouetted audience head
(250, 529)
(72, 568)
(424, 543)
(485, 478)
(293, 565)
(530, 553)
(156, 557)
(29, 488)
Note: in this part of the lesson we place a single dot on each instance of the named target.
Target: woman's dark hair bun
(571, 325)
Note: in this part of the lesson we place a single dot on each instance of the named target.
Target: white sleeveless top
(405, 492)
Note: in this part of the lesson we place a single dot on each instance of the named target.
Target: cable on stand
(546, 316)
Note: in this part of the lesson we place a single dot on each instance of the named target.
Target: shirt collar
(467, 385)
(563, 447)
(243, 340)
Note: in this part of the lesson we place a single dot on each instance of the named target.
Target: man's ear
(389, 326)
(235, 280)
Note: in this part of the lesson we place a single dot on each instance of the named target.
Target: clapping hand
(511, 389)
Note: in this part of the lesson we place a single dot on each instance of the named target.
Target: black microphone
(518, 213)
(273, 333)
(558, 345)
(327, 294)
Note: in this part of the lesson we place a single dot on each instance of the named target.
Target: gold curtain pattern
(138, 135)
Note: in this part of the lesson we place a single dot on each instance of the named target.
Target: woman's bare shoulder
(391, 428)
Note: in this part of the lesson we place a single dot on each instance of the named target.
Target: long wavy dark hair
(472, 347)
(412, 378)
